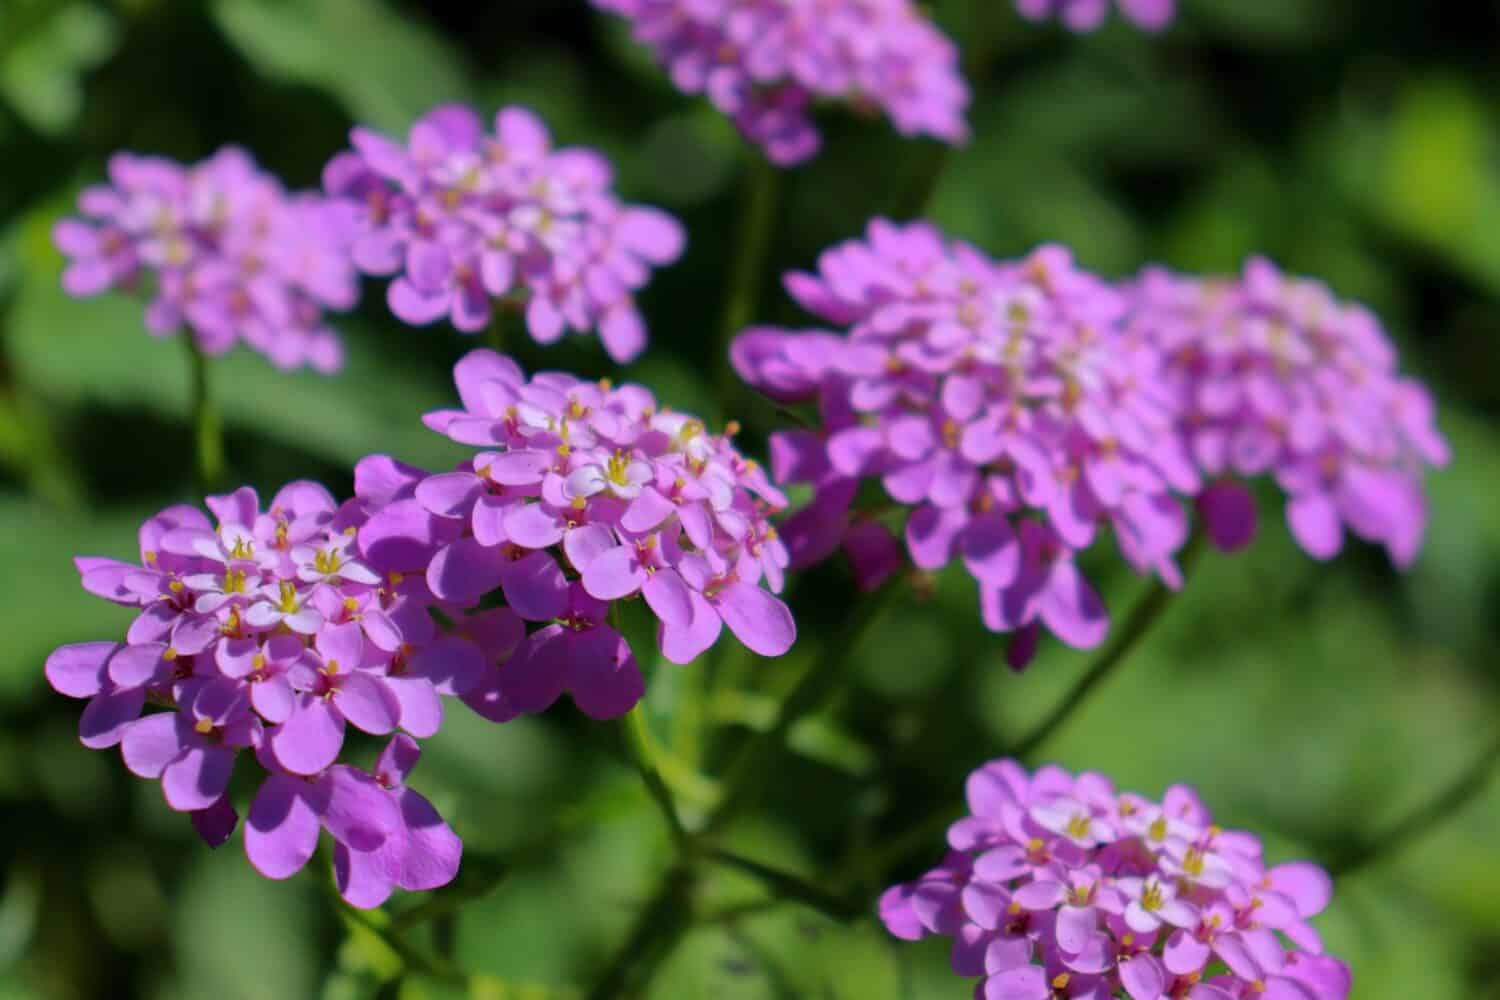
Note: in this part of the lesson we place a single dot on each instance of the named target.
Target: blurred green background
(1355, 141)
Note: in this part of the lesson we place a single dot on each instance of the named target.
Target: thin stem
(642, 747)
(752, 241)
(747, 774)
(658, 927)
(1123, 641)
(494, 331)
(1465, 787)
(788, 886)
(208, 433)
(376, 923)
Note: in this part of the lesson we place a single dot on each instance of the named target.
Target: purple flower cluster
(586, 494)
(1000, 407)
(470, 221)
(1273, 375)
(763, 63)
(1060, 887)
(228, 252)
(272, 632)
(1087, 15)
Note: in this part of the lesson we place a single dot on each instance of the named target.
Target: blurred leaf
(44, 49)
(386, 68)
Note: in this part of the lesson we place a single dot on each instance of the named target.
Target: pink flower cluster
(270, 632)
(229, 253)
(587, 494)
(1061, 887)
(1274, 375)
(469, 221)
(763, 63)
(1087, 15)
(999, 406)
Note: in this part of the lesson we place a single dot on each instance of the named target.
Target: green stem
(1465, 787)
(208, 433)
(376, 923)
(1123, 641)
(788, 886)
(642, 747)
(494, 332)
(747, 774)
(752, 241)
(658, 927)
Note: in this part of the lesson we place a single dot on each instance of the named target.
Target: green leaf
(44, 51)
(384, 67)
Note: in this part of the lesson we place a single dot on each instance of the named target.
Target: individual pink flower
(222, 249)
(586, 494)
(468, 222)
(765, 62)
(998, 405)
(1059, 886)
(1276, 377)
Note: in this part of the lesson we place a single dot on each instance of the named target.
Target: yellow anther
(169, 654)
(203, 727)
(330, 666)
(396, 578)
(1014, 908)
(1078, 826)
(732, 428)
(350, 604)
(327, 561)
(1193, 862)
(243, 549)
(175, 586)
(288, 597)
(1158, 829)
(150, 558)
(606, 384)
(1060, 981)
(1153, 898)
(578, 503)
(258, 662)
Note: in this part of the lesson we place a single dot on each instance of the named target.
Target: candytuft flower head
(267, 633)
(1060, 886)
(1000, 408)
(764, 62)
(222, 249)
(469, 221)
(1274, 375)
(585, 494)
(1087, 15)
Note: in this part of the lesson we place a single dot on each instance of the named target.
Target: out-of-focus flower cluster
(1061, 887)
(222, 249)
(268, 633)
(1087, 15)
(1274, 375)
(998, 401)
(470, 221)
(586, 494)
(764, 62)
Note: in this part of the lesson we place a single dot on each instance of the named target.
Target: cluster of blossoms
(1087, 15)
(998, 402)
(763, 63)
(470, 221)
(229, 254)
(270, 632)
(586, 494)
(1274, 375)
(1060, 887)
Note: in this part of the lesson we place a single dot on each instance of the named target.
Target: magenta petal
(990, 549)
(1026, 983)
(646, 511)
(897, 915)
(668, 597)
(358, 812)
(414, 306)
(1076, 925)
(108, 715)
(421, 709)
(602, 674)
(310, 739)
(1072, 609)
(281, 831)
(535, 587)
(397, 760)
(450, 494)
(759, 620)
(533, 525)
(931, 534)
(198, 778)
(465, 571)
(684, 644)
(365, 701)
(77, 670)
(1143, 978)
(216, 823)
(615, 574)
(365, 879)
(150, 744)
(1306, 884)
(1228, 512)
(537, 674)
(451, 665)
(432, 851)
(1314, 521)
